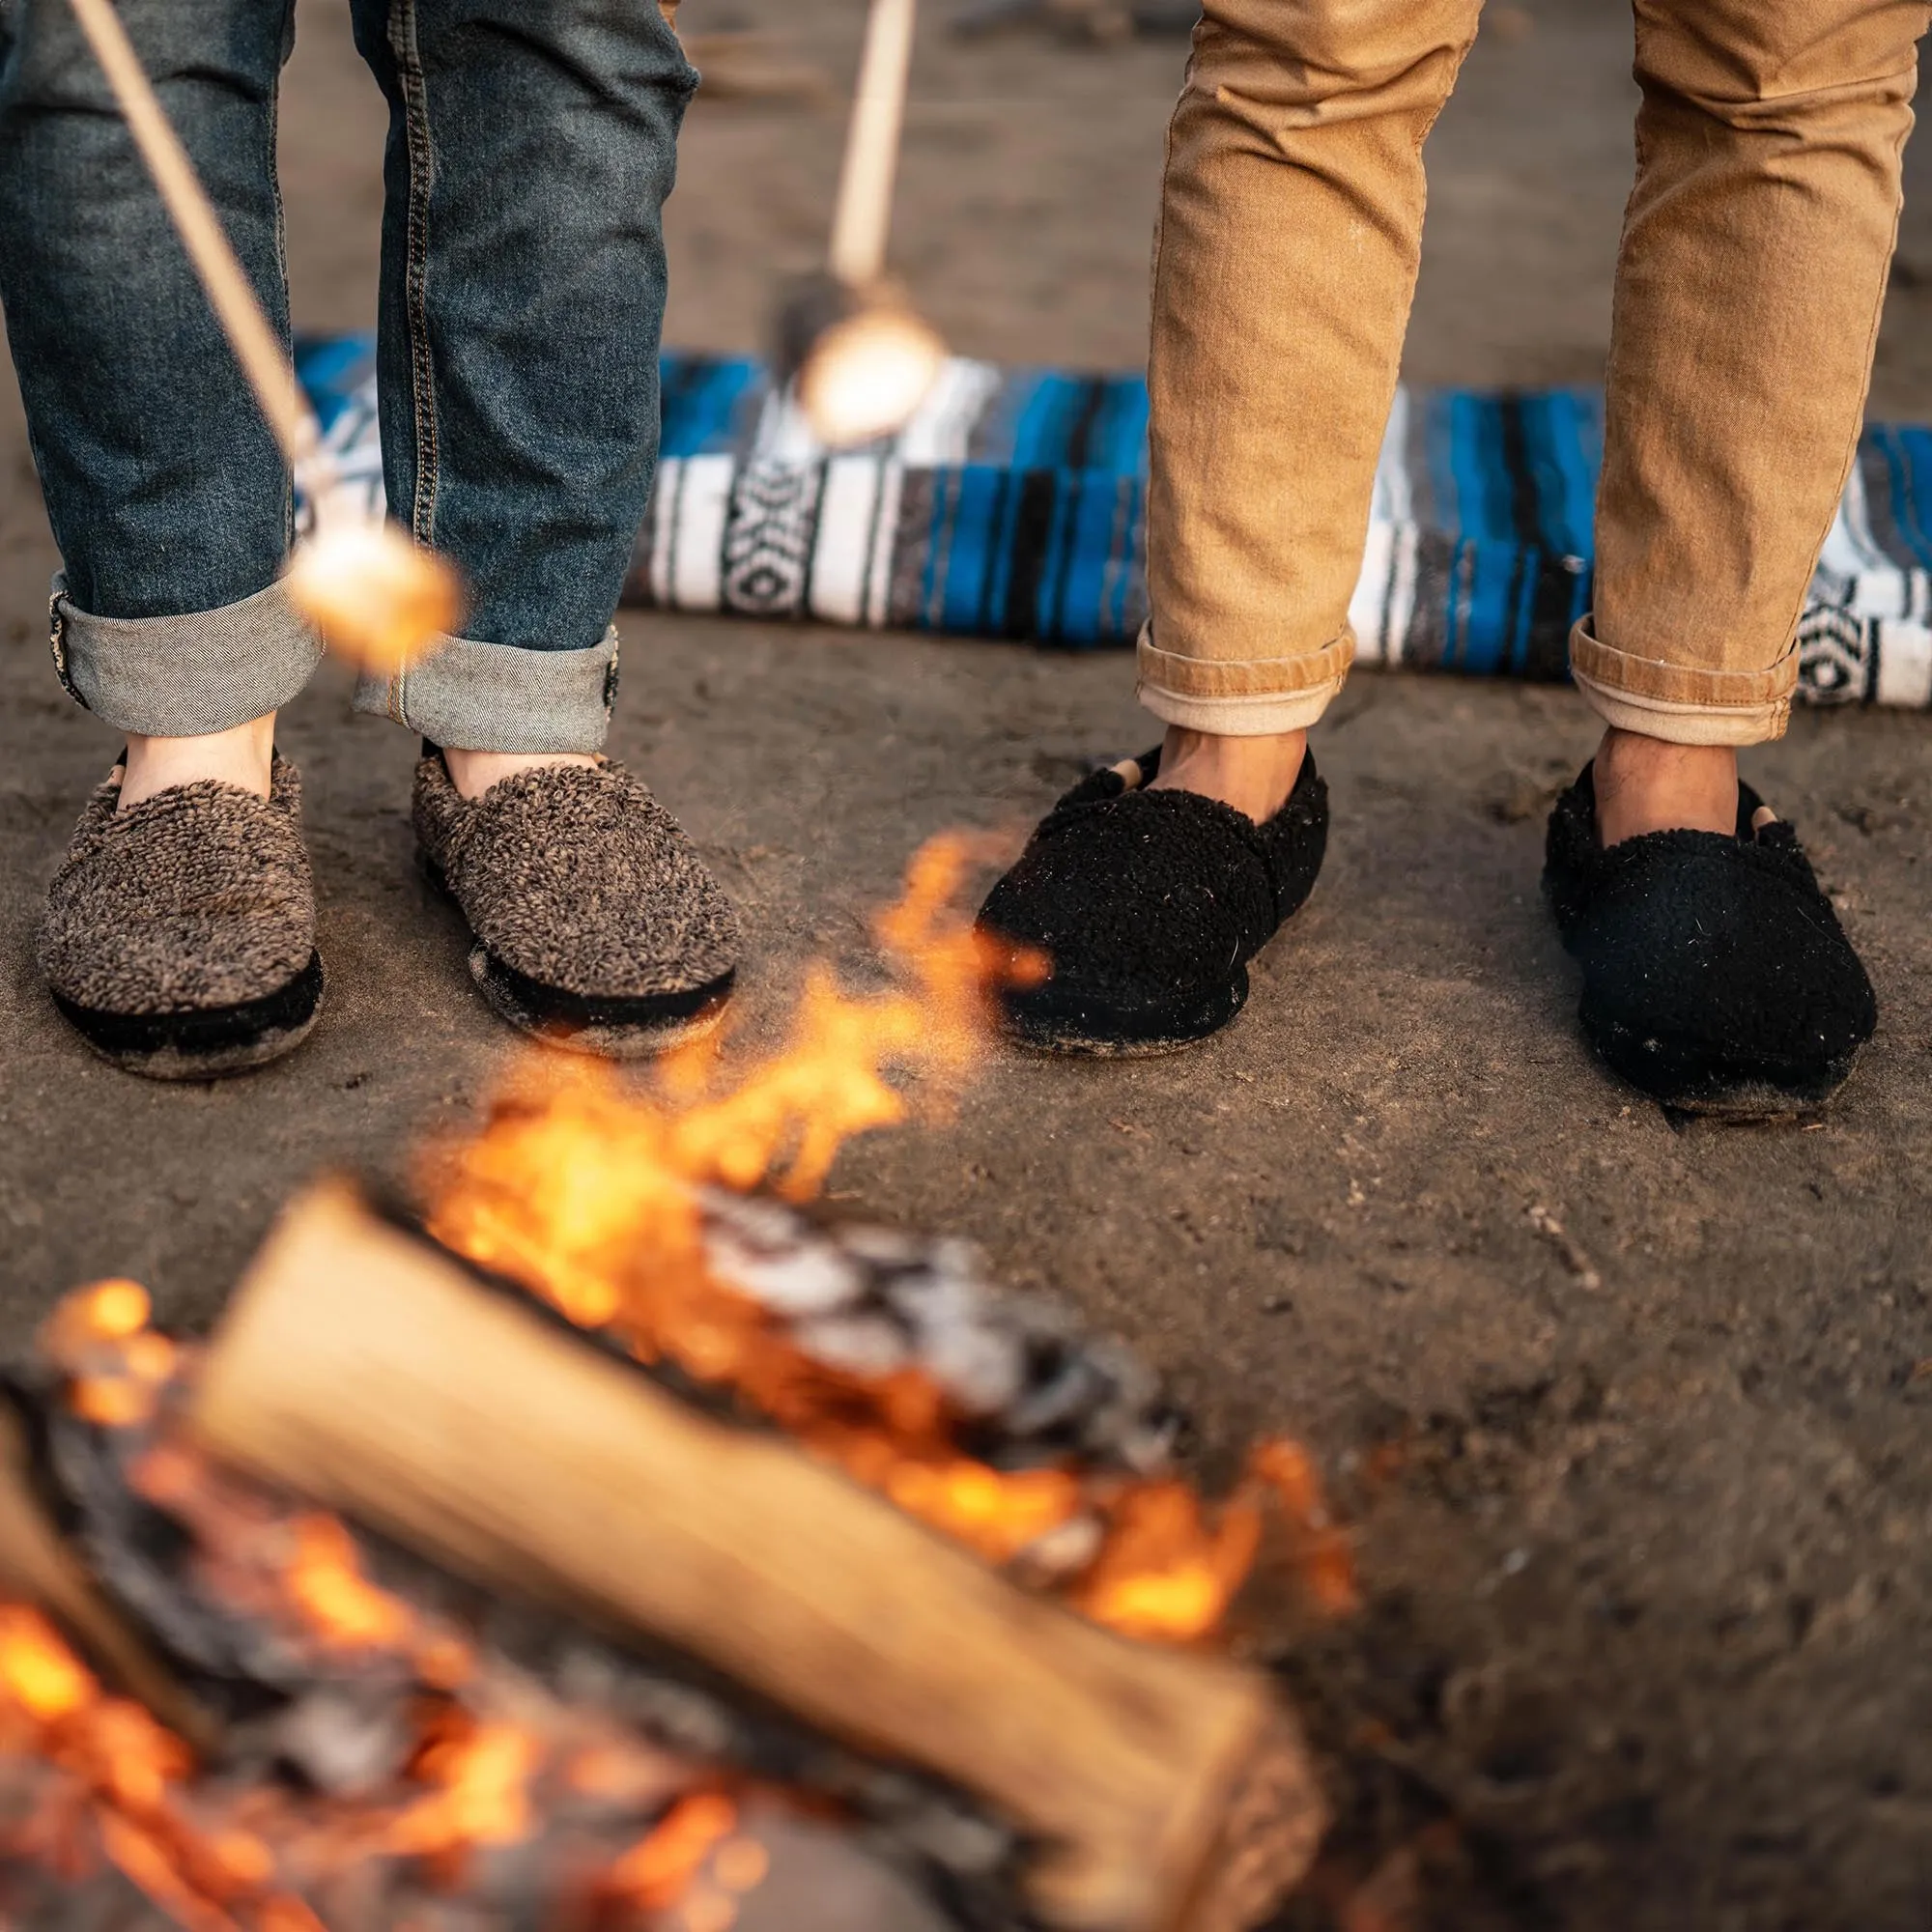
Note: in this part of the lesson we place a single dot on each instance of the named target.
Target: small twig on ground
(1575, 1258)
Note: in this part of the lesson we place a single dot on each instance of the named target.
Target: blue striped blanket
(1011, 507)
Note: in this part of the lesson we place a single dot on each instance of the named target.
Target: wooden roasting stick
(37, 1568)
(863, 216)
(1167, 1791)
(375, 596)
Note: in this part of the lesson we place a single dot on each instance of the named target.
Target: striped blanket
(1011, 507)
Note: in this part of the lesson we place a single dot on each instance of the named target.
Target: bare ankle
(242, 756)
(1253, 775)
(1648, 785)
(474, 772)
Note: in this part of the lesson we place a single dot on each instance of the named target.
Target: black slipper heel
(1148, 906)
(1716, 976)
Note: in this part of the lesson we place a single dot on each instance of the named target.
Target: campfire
(513, 1548)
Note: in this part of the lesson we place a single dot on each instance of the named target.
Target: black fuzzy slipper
(1715, 974)
(597, 928)
(179, 936)
(1148, 906)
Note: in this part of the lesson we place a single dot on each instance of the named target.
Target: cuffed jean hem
(1241, 697)
(499, 697)
(184, 676)
(1682, 704)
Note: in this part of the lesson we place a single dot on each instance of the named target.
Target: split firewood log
(1163, 1790)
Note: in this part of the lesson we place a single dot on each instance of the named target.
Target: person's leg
(1751, 273)
(168, 499)
(179, 935)
(1290, 231)
(1753, 264)
(533, 145)
(1290, 235)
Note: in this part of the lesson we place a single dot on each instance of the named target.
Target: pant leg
(167, 496)
(1749, 289)
(1290, 235)
(532, 144)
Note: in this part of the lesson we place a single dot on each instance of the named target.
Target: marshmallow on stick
(863, 357)
(375, 596)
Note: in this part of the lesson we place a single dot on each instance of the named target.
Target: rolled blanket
(1012, 507)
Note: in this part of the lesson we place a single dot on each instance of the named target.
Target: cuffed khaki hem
(1241, 697)
(1193, 678)
(1258, 716)
(498, 697)
(1682, 704)
(184, 676)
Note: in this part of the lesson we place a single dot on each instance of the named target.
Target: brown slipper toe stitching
(184, 928)
(595, 917)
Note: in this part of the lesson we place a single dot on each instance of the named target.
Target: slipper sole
(639, 1029)
(599, 1028)
(1741, 1093)
(207, 1044)
(1088, 1033)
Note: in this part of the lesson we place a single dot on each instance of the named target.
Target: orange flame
(593, 1198)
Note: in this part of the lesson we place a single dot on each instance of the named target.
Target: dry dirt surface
(1629, 1413)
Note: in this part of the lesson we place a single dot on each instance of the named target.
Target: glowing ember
(116, 1365)
(118, 1777)
(479, 1776)
(326, 1586)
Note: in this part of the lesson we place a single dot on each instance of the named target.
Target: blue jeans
(532, 146)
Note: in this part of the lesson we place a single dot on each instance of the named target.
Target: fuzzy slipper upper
(1716, 974)
(580, 889)
(1148, 906)
(179, 935)
(198, 897)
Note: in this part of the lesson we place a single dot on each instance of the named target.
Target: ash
(1030, 1385)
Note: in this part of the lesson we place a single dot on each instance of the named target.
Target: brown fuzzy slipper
(597, 928)
(179, 938)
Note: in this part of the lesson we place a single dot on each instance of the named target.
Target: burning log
(369, 1372)
(692, 1501)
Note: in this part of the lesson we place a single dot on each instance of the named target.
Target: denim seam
(281, 264)
(415, 118)
(57, 642)
(414, 89)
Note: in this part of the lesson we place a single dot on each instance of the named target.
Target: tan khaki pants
(1749, 281)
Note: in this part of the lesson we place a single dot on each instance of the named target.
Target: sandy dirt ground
(1645, 1547)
